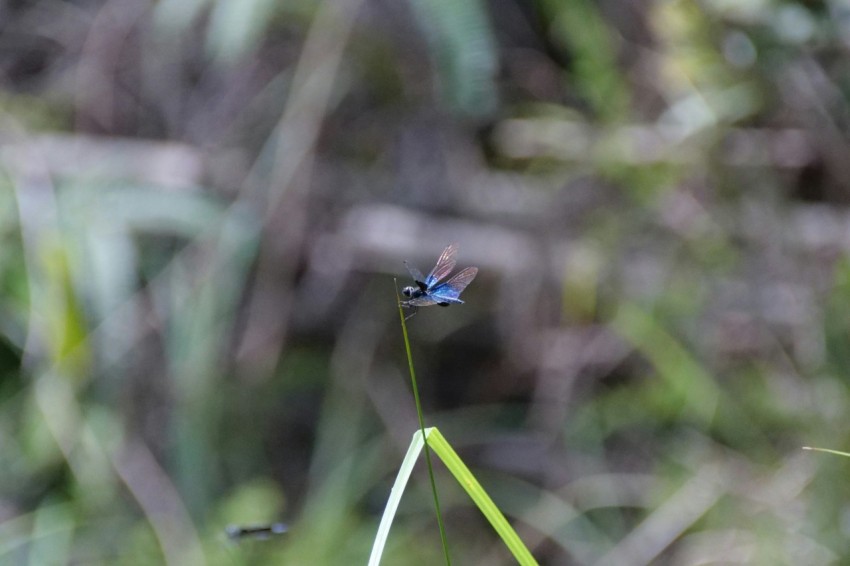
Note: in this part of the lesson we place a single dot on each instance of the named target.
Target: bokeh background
(204, 205)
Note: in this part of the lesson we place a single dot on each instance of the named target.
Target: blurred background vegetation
(203, 205)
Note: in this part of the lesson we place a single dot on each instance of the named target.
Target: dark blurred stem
(422, 428)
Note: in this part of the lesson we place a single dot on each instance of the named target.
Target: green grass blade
(463, 44)
(395, 498)
(465, 478)
(428, 439)
(827, 450)
(455, 465)
(443, 537)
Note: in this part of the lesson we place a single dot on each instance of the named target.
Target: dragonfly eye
(407, 291)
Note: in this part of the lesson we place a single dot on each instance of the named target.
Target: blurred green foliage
(202, 204)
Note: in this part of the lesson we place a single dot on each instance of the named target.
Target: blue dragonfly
(429, 291)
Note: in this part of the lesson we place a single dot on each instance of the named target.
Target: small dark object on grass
(259, 532)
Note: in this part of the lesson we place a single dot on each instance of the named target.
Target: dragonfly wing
(417, 276)
(422, 301)
(452, 288)
(444, 266)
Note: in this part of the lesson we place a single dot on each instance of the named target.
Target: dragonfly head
(408, 291)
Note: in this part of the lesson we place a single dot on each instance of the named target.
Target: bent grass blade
(827, 451)
(441, 447)
(395, 497)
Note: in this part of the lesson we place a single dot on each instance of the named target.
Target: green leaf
(464, 477)
(462, 43)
